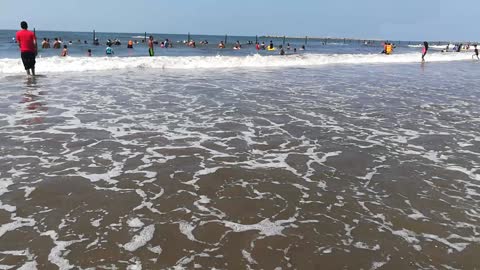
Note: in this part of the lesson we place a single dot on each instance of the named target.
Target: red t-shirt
(25, 38)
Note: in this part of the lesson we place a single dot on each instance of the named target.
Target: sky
(365, 19)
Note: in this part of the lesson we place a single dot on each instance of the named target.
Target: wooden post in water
(306, 40)
(256, 39)
(145, 37)
(226, 37)
(93, 41)
(284, 40)
(188, 37)
(36, 43)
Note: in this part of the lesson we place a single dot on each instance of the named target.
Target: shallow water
(335, 167)
(8, 49)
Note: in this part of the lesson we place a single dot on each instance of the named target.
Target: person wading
(28, 47)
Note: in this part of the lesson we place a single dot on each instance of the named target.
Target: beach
(349, 160)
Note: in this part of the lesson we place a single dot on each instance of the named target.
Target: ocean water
(79, 48)
(334, 158)
(318, 52)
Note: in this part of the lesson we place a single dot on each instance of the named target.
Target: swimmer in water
(424, 50)
(151, 52)
(446, 49)
(263, 46)
(387, 48)
(221, 45)
(45, 44)
(56, 44)
(109, 51)
(64, 51)
(237, 46)
(89, 53)
(476, 52)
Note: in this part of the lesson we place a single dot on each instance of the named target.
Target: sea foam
(80, 64)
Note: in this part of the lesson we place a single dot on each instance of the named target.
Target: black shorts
(28, 59)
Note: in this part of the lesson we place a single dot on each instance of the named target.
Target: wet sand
(360, 167)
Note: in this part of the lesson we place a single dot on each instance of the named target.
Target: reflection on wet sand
(34, 106)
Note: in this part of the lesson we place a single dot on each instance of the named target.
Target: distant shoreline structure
(362, 39)
(324, 38)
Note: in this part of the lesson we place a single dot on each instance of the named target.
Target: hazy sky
(404, 19)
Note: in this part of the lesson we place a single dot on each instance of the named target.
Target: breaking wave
(80, 64)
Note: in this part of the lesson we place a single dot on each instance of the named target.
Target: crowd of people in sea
(388, 49)
(58, 43)
(27, 42)
(459, 47)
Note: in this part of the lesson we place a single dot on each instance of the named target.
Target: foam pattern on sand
(368, 167)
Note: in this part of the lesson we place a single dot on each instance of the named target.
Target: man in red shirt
(28, 47)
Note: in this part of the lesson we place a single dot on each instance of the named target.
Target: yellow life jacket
(389, 49)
